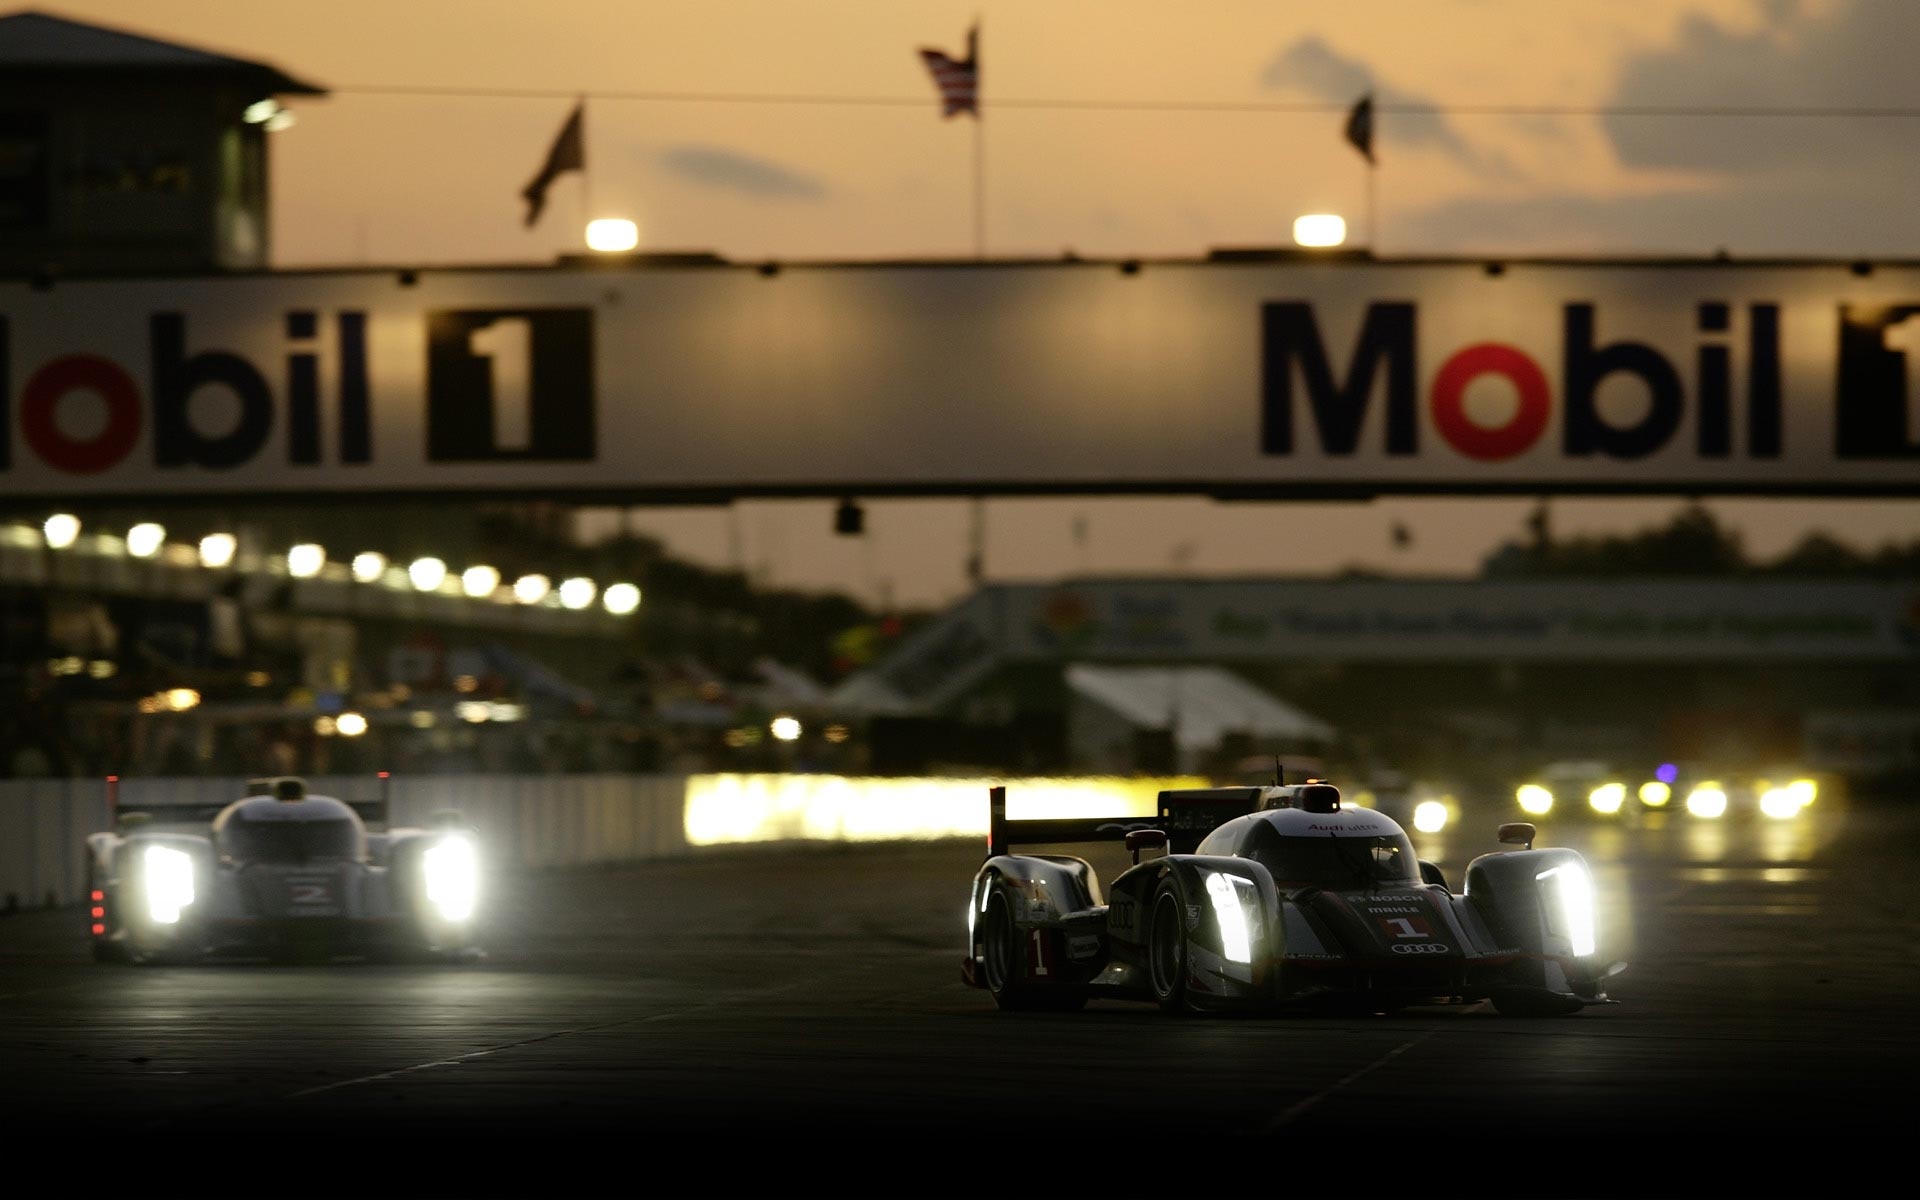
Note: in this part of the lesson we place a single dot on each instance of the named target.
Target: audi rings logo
(1423, 948)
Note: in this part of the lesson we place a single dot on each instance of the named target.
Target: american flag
(957, 79)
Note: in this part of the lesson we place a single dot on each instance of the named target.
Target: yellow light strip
(731, 809)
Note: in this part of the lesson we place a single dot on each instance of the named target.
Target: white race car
(282, 874)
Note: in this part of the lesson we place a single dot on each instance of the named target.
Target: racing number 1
(1039, 961)
(1404, 928)
(507, 344)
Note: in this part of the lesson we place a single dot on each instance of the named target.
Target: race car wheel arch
(1167, 946)
(1003, 963)
(1504, 890)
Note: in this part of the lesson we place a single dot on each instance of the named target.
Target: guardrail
(571, 820)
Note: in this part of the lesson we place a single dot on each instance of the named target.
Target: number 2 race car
(1276, 897)
(281, 874)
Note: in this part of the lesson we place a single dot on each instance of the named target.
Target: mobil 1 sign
(1273, 378)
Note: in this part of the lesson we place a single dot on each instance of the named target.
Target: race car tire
(1002, 957)
(1167, 948)
(1534, 1004)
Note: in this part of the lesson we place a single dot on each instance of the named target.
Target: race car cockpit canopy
(1337, 850)
(266, 828)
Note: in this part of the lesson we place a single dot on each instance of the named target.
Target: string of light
(1172, 106)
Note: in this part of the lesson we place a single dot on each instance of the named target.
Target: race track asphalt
(780, 1022)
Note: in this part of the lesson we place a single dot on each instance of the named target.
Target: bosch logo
(1423, 948)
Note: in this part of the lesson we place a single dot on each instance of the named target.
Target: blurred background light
(1319, 230)
(61, 530)
(145, 539)
(611, 235)
(621, 599)
(427, 574)
(479, 582)
(531, 589)
(369, 566)
(217, 550)
(305, 560)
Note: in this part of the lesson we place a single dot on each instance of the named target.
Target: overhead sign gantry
(711, 380)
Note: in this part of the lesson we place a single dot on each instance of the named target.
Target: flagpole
(586, 174)
(979, 152)
(1373, 244)
(979, 189)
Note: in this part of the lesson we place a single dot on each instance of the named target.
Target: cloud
(729, 170)
(1312, 66)
(1855, 55)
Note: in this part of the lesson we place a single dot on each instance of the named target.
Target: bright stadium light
(427, 574)
(61, 530)
(1320, 230)
(785, 729)
(611, 235)
(479, 582)
(577, 593)
(305, 560)
(621, 599)
(217, 549)
(369, 566)
(145, 539)
(531, 589)
(1655, 794)
(350, 724)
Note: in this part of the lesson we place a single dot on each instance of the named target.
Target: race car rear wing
(1186, 814)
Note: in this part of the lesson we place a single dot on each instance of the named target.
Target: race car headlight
(1430, 816)
(1607, 798)
(1707, 801)
(453, 878)
(1534, 800)
(1780, 803)
(1232, 896)
(1569, 905)
(169, 877)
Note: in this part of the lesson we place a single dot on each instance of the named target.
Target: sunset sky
(376, 173)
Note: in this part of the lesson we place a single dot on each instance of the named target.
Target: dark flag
(957, 79)
(1360, 126)
(568, 154)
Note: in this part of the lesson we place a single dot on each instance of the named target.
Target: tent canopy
(1200, 704)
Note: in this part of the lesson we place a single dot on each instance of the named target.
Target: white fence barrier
(529, 821)
(572, 820)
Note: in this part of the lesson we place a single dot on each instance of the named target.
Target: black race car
(1276, 897)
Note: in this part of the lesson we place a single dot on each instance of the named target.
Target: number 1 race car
(282, 874)
(1276, 897)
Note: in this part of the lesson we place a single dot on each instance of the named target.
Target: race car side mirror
(1430, 873)
(1517, 833)
(1145, 839)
